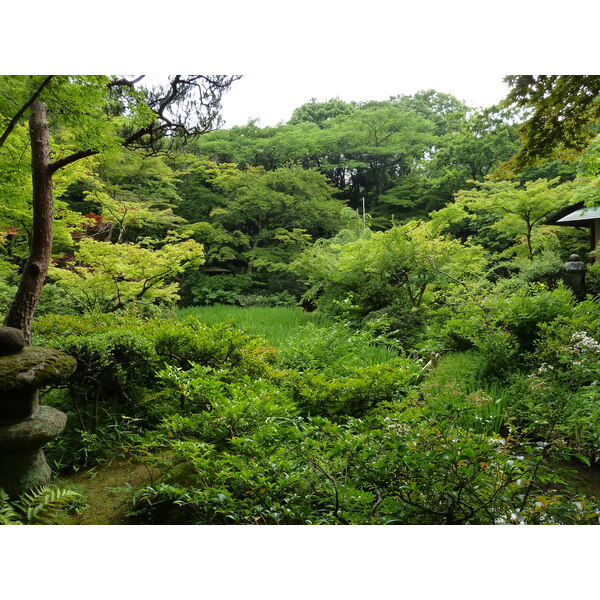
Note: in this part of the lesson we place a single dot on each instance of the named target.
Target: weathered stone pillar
(25, 426)
(575, 276)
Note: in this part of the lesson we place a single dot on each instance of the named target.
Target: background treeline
(256, 198)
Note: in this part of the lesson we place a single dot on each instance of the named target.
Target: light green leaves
(109, 276)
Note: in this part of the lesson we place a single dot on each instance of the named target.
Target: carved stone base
(23, 465)
(23, 472)
(25, 425)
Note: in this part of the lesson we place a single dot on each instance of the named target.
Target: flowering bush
(558, 400)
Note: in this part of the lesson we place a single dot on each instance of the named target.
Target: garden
(359, 317)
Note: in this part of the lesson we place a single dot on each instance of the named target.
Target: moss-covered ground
(104, 490)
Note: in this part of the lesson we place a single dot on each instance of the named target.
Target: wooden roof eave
(562, 213)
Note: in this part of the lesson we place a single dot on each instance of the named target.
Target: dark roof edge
(563, 212)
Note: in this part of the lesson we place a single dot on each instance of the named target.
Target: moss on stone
(34, 367)
(32, 433)
(24, 473)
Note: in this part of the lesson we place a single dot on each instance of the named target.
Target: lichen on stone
(32, 433)
(34, 367)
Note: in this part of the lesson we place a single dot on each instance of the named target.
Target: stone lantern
(25, 425)
(575, 276)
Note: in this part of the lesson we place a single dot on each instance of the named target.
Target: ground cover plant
(275, 324)
(243, 436)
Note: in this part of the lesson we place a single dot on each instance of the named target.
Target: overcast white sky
(271, 97)
(290, 52)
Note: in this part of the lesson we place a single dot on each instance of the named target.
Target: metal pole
(364, 214)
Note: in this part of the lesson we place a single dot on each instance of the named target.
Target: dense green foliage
(565, 114)
(323, 430)
(339, 320)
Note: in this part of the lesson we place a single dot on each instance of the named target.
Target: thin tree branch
(464, 285)
(374, 508)
(67, 160)
(123, 81)
(22, 110)
(164, 126)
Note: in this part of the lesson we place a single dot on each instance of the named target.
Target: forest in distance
(358, 316)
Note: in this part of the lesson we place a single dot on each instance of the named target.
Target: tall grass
(275, 324)
(296, 333)
(460, 376)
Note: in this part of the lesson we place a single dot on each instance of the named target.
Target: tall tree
(22, 309)
(469, 151)
(444, 110)
(133, 194)
(275, 214)
(515, 210)
(384, 268)
(371, 150)
(92, 114)
(13, 122)
(320, 113)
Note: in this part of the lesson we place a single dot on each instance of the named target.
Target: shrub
(547, 269)
(217, 410)
(53, 300)
(221, 345)
(503, 326)
(592, 279)
(396, 325)
(203, 289)
(497, 346)
(524, 311)
(401, 464)
(108, 277)
(558, 399)
(569, 345)
(98, 338)
(359, 390)
(461, 382)
(280, 299)
(116, 361)
(116, 378)
(50, 329)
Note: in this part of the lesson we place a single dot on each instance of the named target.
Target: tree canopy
(132, 166)
(443, 365)
(77, 117)
(566, 111)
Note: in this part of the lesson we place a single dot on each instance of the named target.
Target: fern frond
(8, 515)
(41, 506)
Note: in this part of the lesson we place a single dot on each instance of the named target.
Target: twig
(463, 284)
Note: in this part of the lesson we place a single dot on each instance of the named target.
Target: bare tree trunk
(22, 309)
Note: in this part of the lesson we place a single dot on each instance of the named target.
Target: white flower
(583, 342)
